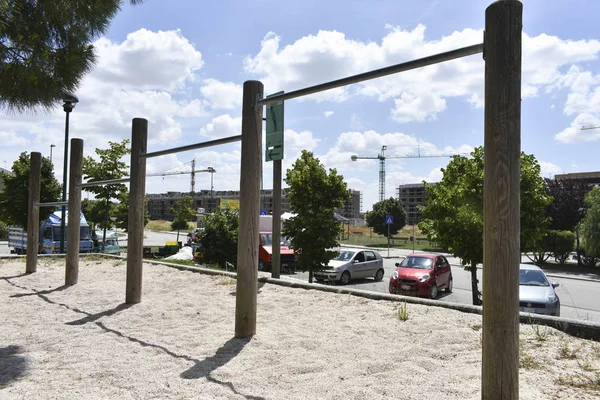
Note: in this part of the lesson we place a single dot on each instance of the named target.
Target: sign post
(389, 220)
(274, 152)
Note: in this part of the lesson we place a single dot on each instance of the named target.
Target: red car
(422, 274)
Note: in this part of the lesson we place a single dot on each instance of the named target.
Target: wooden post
(74, 218)
(276, 261)
(33, 213)
(247, 257)
(135, 223)
(502, 146)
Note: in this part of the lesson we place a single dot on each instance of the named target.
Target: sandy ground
(77, 342)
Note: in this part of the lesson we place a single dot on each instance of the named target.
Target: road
(579, 298)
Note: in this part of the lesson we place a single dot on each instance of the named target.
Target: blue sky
(181, 64)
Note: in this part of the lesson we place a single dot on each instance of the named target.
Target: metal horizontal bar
(52, 204)
(210, 143)
(378, 73)
(102, 183)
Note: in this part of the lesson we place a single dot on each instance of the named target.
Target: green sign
(274, 137)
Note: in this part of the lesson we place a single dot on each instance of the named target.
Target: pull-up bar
(106, 182)
(377, 73)
(209, 143)
(51, 204)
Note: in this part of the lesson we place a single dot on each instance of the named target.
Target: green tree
(381, 209)
(15, 196)
(453, 215)
(184, 212)
(219, 241)
(93, 210)
(110, 166)
(45, 48)
(590, 226)
(313, 196)
(121, 211)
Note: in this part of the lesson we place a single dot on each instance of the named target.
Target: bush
(560, 244)
(219, 241)
(3, 231)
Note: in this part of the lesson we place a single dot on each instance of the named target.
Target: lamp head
(69, 102)
(353, 158)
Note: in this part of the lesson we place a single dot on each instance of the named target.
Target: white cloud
(330, 55)
(223, 95)
(9, 139)
(549, 169)
(298, 141)
(148, 60)
(328, 114)
(222, 126)
(574, 134)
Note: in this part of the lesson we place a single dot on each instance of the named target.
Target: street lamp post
(69, 103)
(51, 146)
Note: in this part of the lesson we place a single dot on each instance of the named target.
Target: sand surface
(83, 342)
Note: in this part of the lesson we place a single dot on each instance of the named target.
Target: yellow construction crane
(585, 128)
(192, 173)
(382, 157)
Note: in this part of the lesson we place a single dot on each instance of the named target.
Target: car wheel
(434, 292)
(345, 279)
(450, 285)
(261, 265)
(379, 275)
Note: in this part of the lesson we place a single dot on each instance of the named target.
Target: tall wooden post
(33, 213)
(276, 261)
(247, 257)
(501, 255)
(135, 223)
(74, 218)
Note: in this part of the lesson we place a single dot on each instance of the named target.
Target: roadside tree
(313, 196)
(120, 211)
(376, 218)
(219, 241)
(109, 167)
(184, 212)
(453, 215)
(590, 226)
(15, 196)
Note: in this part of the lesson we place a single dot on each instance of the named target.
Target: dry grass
(160, 225)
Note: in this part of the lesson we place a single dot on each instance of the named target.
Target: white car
(352, 264)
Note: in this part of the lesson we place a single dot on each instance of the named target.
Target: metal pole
(135, 222)
(33, 216)
(209, 143)
(101, 183)
(51, 146)
(64, 192)
(247, 254)
(276, 261)
(388, 235)
(73, 227)
(378, 73)
(211, 191)
(413, 234)
(501, 192)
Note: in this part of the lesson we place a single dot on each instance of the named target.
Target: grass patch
(402, 312)
(541, 334)
(475, 327)
(580, 381)
(565, 352)
(526, 360)
(362, 236)
(161, 225)
(180, 262)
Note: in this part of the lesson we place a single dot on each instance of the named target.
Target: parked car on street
(352, 264)
(536, 293)
(422, 274)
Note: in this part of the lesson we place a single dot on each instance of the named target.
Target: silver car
(352, 264)
(536, 293)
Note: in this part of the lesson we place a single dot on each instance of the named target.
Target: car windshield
(417, 262)
(532, 277)
(267, 240)
(345, 255)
